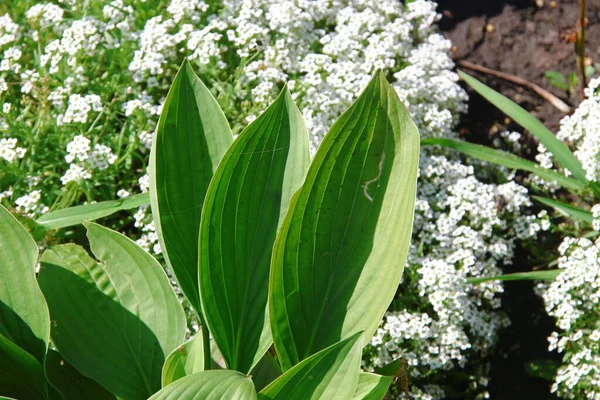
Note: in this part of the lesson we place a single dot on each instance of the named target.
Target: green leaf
(90, 212)
(544, 275)
(191, 138)
(372, 386)
(573, 80)
(544, 369)
(506, 159)
(557, 80)
(114, 320)
(589, 70)
(209, 385)
(558, 149)
(185, 360)
(24, 317)
(21, 375)
(567, 209)
(245, 204)
(332, 373)
(70, 382)
(265, 372)
(340, 253)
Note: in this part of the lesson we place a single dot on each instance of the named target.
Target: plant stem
(580, 49)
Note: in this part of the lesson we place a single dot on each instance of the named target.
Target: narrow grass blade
(505, 159)
(190, 140)
(245, 204)
(559, 150)
(90, 212)
(209, 385)
(546, 275)
(332, 373)
(567, 209)
(115, 320)
(340, 253)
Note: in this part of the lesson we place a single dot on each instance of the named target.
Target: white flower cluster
(9, 151)
(582, 131)
(247, 50)
(83, 159)
(574, 300)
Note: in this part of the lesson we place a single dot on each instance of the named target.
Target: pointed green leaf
(372, 386)
(339, 255)
(21, 375)
(209, 385)
(185, 360)
(190, 140)
(70, 382)
(567, 209)
(90, 212)
(115, 320)
(559, 150)
(24, 318)
(544, 275)
(505, 159)
(332, 373)
(245, 204)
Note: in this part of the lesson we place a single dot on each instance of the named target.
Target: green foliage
(268, 248)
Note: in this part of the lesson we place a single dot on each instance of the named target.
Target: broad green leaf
(332, 373)
(567, 209)
(245, 204)
(557, 80)
(70, 382)
(209, 385)
(24, 318)
(90, 212)
(559, 150)
(545, 275)
(340, 253)
(505, 159)
(372, 386)
(185, 360)
(190, 140)
(115, 320)
(265, 372)
(21, 375)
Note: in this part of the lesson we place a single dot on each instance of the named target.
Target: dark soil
(520, 38)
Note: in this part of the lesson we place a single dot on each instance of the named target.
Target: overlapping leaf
(244, 206)
(209, 385)
(185, 360)
(339, 256)
(114, 320)
(21, 375)
(190, 140)
(332, 373)
(372, 386)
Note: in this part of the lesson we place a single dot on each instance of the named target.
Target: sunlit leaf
(209, 385)
(185, 360)
(545, 275)
(340, 253)
(372, 386)
(567, 209)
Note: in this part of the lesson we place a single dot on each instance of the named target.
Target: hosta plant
(288, 263)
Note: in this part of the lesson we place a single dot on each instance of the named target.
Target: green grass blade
(546, 275)
(567, 209)
(209, 385)
(559, 150)
(506, 159)
(245, 204)
(372, 386)
(339, 255)
(185, 360)
(90, 212)
(191, 138)
(24, 317)
(332, 373)
(71, 384)
(115, 320)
